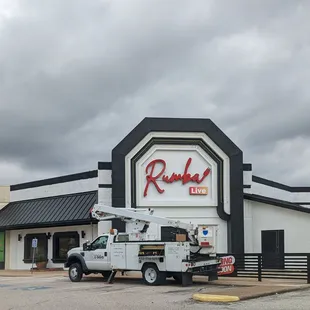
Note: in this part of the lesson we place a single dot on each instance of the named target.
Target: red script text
(186, 177)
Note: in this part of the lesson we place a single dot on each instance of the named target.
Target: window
(40, 251)
(62, 243)
(122, 238)
(100, 243)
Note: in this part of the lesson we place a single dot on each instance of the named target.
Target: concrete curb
(215, 298)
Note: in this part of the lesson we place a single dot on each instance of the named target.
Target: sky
(77, 76)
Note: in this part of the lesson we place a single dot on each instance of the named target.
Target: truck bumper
(205, 270)
(202, 267)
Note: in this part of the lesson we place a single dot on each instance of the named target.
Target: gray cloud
(77, 76)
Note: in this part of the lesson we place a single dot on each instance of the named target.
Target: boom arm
(141, 220)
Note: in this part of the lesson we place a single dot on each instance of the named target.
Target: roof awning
(65, 210)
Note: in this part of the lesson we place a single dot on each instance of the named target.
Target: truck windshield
(100, 243)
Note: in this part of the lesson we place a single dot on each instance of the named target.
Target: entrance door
(2, 245)
(273, 249)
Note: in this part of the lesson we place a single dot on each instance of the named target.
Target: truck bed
(132, 255)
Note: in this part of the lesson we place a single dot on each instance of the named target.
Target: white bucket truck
(191, 252)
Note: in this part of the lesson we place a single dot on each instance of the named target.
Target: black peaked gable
(147, 125)
(64, 210)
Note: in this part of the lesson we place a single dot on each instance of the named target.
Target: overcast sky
(76, 76)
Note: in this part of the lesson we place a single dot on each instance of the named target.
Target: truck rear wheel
(75, 272)
(152, 276)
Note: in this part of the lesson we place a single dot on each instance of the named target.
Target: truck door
(97, 256)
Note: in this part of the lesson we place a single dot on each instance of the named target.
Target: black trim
(48, 225)
(247, 167)
(292, 189)
(62, 179)
(56, 236)
(236, 221)
(48, 197)
(302, 203)
(277, 202)
(263, 181)
(246, 186)
(103, 165)
(105, 185)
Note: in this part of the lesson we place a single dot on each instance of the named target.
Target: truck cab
(93, 257)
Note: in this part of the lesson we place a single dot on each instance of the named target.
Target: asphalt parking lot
(94, 293)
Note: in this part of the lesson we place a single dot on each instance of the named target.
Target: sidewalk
(27, 273)
(237, 289)
(239, 281)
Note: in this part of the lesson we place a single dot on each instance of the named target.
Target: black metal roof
(65, 210)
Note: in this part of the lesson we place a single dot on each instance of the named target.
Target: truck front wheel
(152, 276)
(75, 272)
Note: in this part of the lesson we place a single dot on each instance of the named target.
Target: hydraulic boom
(139, 221)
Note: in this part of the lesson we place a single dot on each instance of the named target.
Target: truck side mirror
(86, 246)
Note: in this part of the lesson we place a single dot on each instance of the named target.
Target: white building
(185, 169)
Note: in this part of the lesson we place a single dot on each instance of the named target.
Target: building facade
(185, 169)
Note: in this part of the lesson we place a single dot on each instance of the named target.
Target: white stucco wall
(248, 226)
(105, 176)
(247, 181)
(16, 247)
(282, 194)
(104, 196)
(267, 217)
(105, 193)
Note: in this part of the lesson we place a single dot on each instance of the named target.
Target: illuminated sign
(184, 178)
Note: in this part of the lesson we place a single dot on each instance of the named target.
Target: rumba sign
(176, 176)
(183, 177)
(227, 265)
